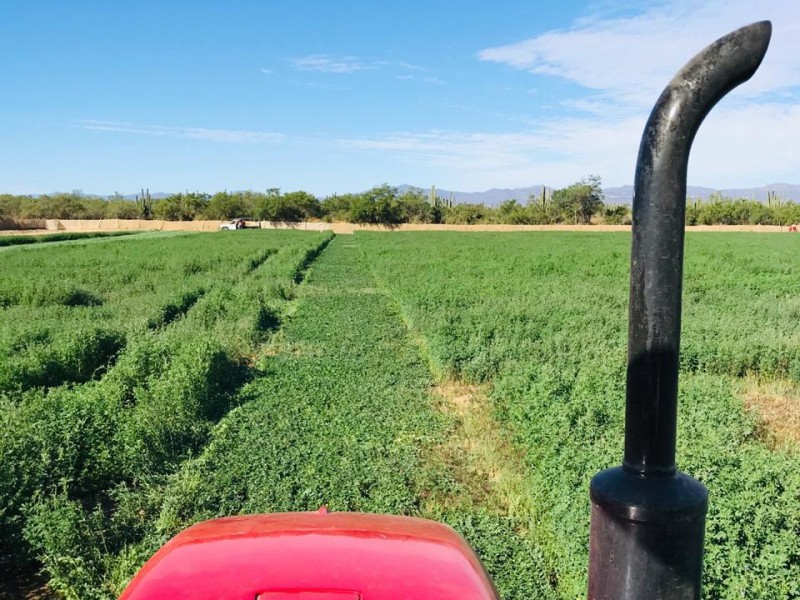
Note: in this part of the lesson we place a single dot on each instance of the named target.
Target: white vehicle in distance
(232, 225)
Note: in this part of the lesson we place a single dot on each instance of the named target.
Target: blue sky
(340, 96)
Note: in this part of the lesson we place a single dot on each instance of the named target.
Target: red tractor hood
(314, 556)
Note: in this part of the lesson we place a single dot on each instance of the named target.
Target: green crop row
(20, 240)
(543, 317)
(66, 313)
(73, 446)
(339, 415)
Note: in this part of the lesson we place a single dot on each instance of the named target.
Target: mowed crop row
(543, 319)
(70, 453)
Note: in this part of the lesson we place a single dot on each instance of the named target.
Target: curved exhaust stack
(648, 518)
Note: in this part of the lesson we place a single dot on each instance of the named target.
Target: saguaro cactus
(145, 204)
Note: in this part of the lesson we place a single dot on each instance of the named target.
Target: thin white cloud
(623, 63)
(428, 80)
(324, 86)
(629, 60)
(761, 148)
(326, 63)
(409, 66)
(749, 144)
(267, 71)
(510, 159)
(235, 136)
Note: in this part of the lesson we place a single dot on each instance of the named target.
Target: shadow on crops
(71, 357)
(268, 320)
(310, 257)
(259, 260)
(79, 297)
(174, 310)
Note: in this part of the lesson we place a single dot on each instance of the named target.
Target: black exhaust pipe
(648, 519)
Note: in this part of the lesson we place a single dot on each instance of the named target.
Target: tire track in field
(478, 454)
(478, 451)
(311, 256)
(336, 416)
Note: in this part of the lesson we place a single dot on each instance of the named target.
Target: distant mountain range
(154, 196)
(614, 195)
(785, 191)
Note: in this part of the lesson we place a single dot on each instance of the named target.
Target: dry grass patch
(479, 455)
(777, 407)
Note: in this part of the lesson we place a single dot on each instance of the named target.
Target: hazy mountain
(614, 195)
(785, 191)
(154, 195)
(624, 193)
(493, 197)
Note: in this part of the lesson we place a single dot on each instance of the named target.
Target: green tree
(692, 215)
(378, 206)
(121, 209)
(415, 207)
(538, 214)
(617, 215)
(579, 202)
(224, 205)
(59, 206)
(93, 208)
(466, 214)
(512, 212)
(168, 209)
(307, 204)
(337, 207)
(786, 213)
(8, 206)
(265, 206)
(290, 207)
(28, 208)
(180, 207)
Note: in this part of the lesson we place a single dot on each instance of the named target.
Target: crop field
(150, 383)
(544, 319)
(19, 240)
(117, 359)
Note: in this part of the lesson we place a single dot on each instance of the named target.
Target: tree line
(382, 204)
(579, 203)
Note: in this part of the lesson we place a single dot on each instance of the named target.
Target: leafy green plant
(155, 397)
(297, 380)
(542, 317)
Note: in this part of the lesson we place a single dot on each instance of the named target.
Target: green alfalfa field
(149, 382)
